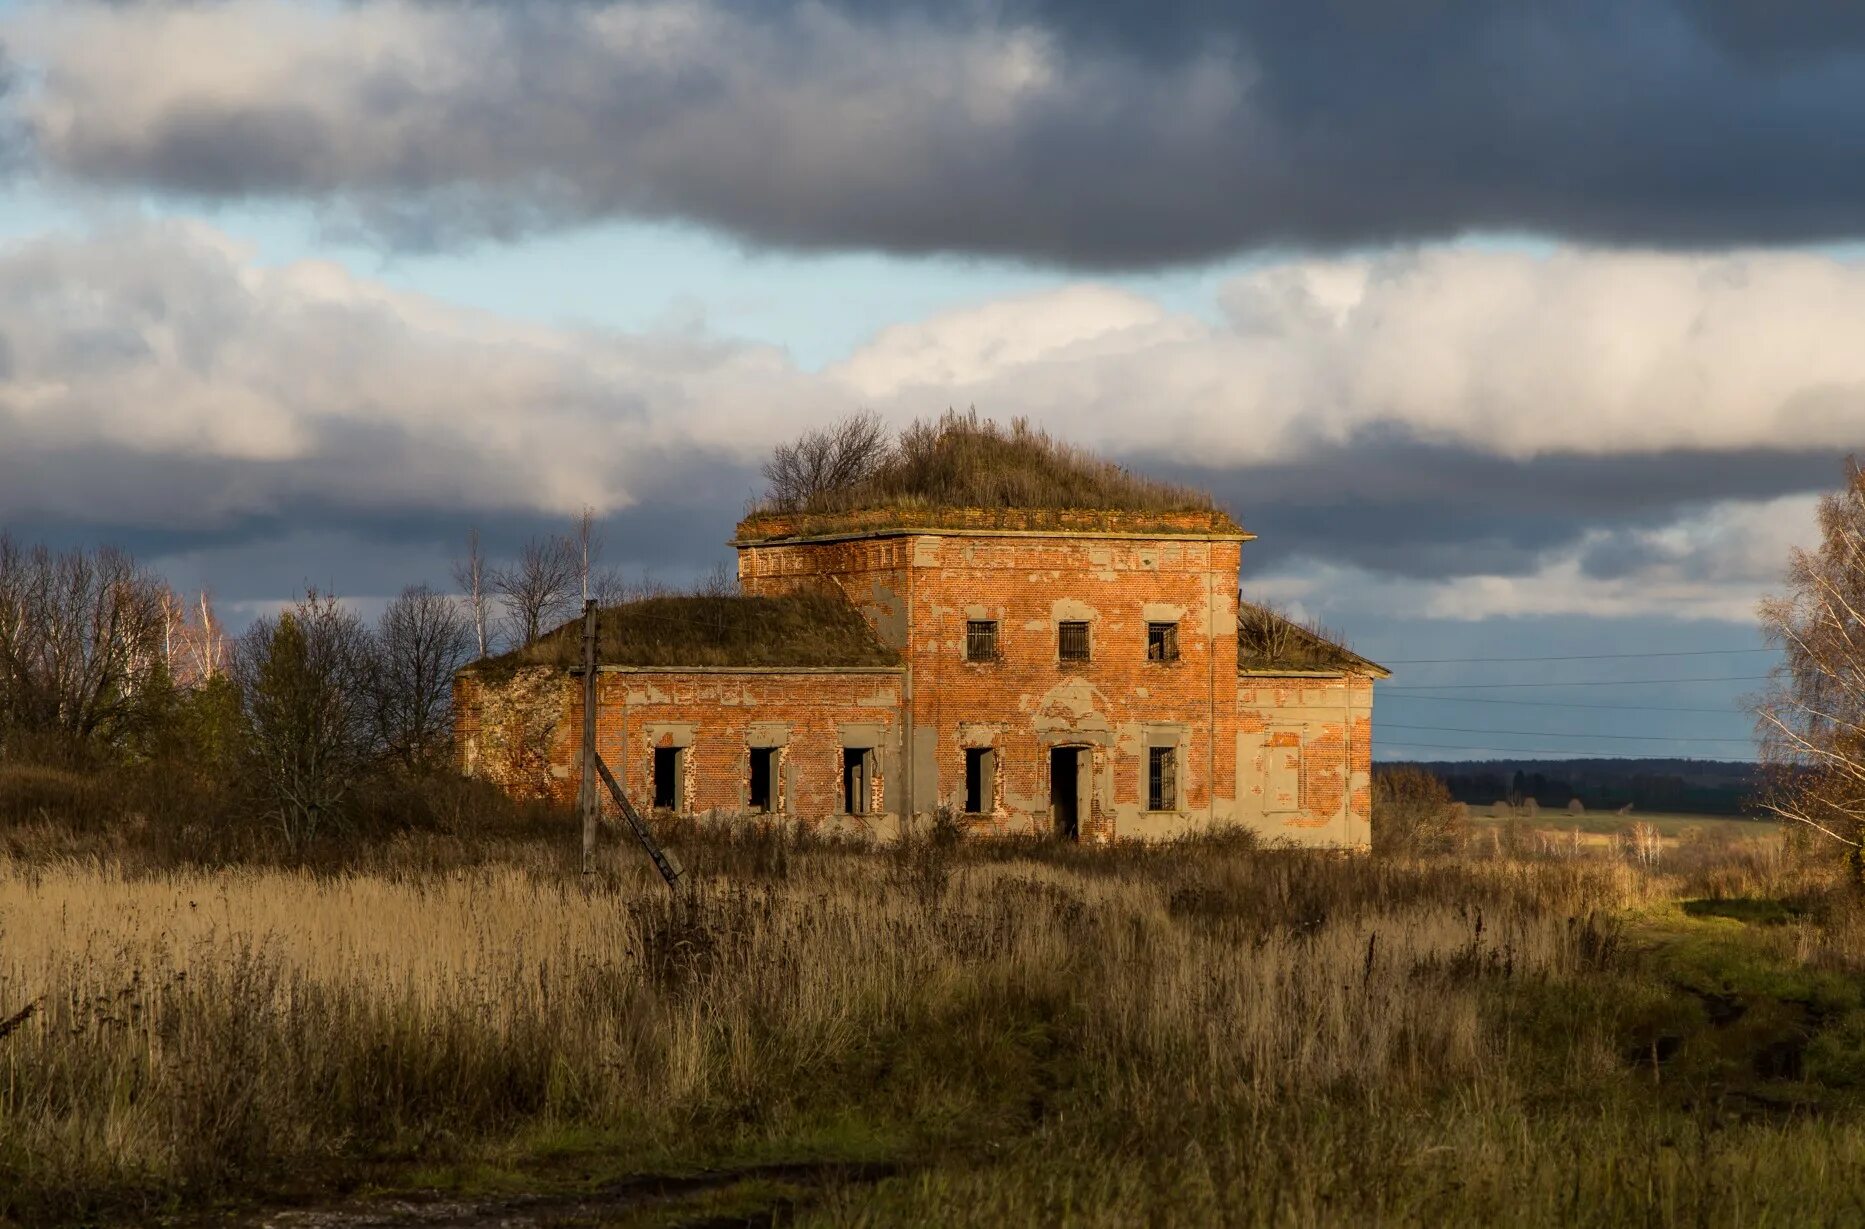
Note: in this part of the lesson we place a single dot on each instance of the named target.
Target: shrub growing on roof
(959, 461)
(1270, 639)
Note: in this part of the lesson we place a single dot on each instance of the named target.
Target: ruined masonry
(1084, 674)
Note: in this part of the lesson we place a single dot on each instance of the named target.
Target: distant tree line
(1660, 785)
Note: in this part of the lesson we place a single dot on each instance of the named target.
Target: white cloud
(158, 375)
(1517, 355)
(166, 347)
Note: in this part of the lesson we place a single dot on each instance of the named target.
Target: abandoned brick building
(1087, 673)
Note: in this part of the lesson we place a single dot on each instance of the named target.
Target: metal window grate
(981, 640)
(1162, 778)
(1072, 641)
(1162, 642)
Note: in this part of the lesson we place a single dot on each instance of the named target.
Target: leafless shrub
(1642, 844)
(957, 461)
(539, 588)
(1269, 637)
(1413, 812)
(1812, 717)
(421, 640)
(304, 681)
(826, 462)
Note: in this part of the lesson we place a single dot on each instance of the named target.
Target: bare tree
(193, 642)
(469, 573)
(421, 641)
(304, 681)
(609, 587)
(539, 589)
(825, 462)
(81, 639)
(1812, 717)
(588, 546)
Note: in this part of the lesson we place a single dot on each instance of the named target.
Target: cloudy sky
(1512, 333)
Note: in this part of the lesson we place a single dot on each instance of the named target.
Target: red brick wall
(718, 716)
(1289, 756)
(870, 572)
(1029, 701)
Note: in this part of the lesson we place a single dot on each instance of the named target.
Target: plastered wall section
(525, 733)
(1304, 759)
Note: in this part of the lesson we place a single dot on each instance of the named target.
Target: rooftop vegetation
(1270, 639)
(712, 628)
(958, 461)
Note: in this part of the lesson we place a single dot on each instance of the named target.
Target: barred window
(1162, 642)
(981, 640)
(1162, 778)
(1072, 641)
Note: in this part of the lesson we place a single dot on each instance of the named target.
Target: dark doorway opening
(763, 776)
(1065, 790)
(980, 771)
(857, 785)
(667, 778)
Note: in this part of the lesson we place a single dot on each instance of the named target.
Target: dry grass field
(1192, 1034)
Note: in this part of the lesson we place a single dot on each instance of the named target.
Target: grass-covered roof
(1267, 639)
(855, 473)
(712, 629)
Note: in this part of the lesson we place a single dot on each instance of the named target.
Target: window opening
(1072, 641)
(857, 770)
(1162, 778)
(980, 772)
(1162, 642)
(667, 778)
(763, 779)
(981, 640)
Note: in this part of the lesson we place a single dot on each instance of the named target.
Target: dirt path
(766, 1194)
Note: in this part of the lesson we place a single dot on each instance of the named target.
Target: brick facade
(1287, 754)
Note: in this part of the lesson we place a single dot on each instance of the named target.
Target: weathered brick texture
(1288, 755)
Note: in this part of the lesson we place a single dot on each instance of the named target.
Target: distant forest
(1706, 787)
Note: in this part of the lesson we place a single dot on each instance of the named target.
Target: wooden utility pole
(591, 801)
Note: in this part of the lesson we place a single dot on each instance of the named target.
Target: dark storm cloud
(1091, 134)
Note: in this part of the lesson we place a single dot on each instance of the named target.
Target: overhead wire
(1615, 708)
(1658, 738)
(1458, 661)
(1567, 753)
(1724, 678)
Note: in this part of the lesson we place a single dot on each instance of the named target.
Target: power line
(1611, 708)
(1726, 678)
(1458, 661)
(1562, 752)
(1654, 738)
